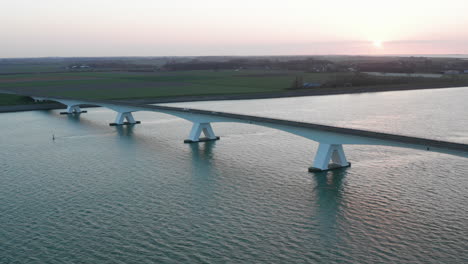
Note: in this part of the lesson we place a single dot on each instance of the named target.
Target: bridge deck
(324, 128)
(421, 143)
(424, 142)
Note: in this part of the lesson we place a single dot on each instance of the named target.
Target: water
(101, 194)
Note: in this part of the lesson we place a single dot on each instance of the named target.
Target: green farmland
(127, 85)
(138, 85)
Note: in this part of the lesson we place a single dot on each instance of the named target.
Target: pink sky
(31, 28)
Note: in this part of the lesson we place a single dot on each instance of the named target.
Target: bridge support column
(327, 152)
(121, 117)
(73, 109)
(196, 131)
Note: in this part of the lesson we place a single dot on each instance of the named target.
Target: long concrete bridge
(330, 153)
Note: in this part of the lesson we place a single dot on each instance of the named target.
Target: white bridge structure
(330, 153)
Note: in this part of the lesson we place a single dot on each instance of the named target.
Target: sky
(85, 28)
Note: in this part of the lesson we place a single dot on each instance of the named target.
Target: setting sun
(377, 43)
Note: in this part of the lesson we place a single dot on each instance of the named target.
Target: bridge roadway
(330, 153)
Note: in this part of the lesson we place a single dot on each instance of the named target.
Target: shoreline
(271, 95)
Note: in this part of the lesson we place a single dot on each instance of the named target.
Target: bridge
(330, 153)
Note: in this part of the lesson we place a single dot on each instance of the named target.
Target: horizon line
(283, 55)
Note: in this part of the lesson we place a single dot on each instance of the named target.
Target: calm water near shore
(101, 194)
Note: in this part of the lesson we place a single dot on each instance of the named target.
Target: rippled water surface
(101, 194)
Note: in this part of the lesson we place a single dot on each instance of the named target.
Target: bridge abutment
(196, 131)
(122, 116)
(327, 153)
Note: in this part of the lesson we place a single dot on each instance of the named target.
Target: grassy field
(129, 85)
(123, 85)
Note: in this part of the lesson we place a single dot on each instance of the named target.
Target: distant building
(311, 85)
(452, 72)
(80, 67)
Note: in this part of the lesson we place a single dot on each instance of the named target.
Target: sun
(377, 43)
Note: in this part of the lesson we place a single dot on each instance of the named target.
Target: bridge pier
(121, 117)
(327, 152)
(73, 109)
(196, 131)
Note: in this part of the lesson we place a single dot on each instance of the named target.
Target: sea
(137, 194)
